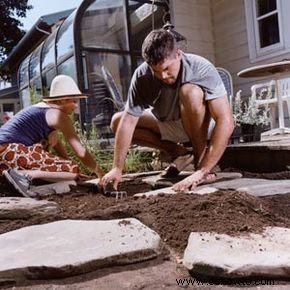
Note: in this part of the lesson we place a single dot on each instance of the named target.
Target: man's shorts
(174, 131)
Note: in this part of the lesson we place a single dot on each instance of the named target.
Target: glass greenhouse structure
(98, 45)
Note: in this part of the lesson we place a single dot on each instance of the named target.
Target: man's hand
(190, 182)
(113, 176)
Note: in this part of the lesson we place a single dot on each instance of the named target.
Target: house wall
(216, 29)
(231, 42)
(193, 19)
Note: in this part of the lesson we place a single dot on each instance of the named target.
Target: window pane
(265, 6)
(269, 30)
(24, 97)
(103, 25)
(23, 73)
(141, 22)
(48, 52)
(109, 76)
(47, 79)
(8, 107)
(36, 90)
(34, 66)
(68, 67)
(64, 42)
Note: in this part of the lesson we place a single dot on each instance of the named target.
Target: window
(101, 104)
(104, 26)
(48, 53)
(25, 97)
(34, 64)
(141, 22)
(8, 107)
(65, 39)
(68, 67)
(267, 21)
(23, 73)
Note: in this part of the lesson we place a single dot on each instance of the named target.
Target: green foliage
(249, 112)
(34, 97)
(136, 161)
(10, 31)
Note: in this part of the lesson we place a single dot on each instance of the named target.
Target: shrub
(249, 111)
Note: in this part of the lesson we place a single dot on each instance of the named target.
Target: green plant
(249, 111)
(34, 97)
(136, 161)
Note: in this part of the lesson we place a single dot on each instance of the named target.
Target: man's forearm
(123, 140)
(121, 148)
(217, 145)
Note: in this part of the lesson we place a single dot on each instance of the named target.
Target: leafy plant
(249, 111)
(136, 161)
(34, 97)
(10, 25)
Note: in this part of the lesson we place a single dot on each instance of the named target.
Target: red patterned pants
(33, 157)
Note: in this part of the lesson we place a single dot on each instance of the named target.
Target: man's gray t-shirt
(146, 91)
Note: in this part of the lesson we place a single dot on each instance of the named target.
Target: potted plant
(250, 116)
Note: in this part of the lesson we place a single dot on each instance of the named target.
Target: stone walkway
(65, 248)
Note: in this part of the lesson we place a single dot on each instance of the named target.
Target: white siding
(192, 18)
(231, 41)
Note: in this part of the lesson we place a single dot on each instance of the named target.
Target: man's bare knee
(191, 95)
(115, 121)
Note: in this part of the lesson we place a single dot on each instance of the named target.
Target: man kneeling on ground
(172, 98)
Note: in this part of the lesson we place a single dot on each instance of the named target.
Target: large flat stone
(164, 186)
(69, 247)
(53, 188)
(224, 256)
(272, 187)
(22, 207)
(254, 186)
(157, 181)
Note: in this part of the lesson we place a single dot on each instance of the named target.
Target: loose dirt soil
(173, 217)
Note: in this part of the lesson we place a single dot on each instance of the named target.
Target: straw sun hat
(63, 87)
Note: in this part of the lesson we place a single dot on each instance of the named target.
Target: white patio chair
(284, 87)
(266, 95)
(228, 82)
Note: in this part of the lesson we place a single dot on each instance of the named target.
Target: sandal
(180, 163)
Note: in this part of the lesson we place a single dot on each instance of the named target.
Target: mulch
(173, 217)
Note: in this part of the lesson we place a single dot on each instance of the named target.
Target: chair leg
(288, 107)
(273, 116)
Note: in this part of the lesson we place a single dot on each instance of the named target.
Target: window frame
(255, 51)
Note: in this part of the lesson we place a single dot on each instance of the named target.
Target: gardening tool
(110, 191)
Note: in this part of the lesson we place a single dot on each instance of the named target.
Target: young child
(26, 138)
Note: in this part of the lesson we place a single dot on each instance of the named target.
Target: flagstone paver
(68, 247)
(22, 207)
(165, 185)
(158, 181)
(220, 255)
(54, 188)
(254, 186)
